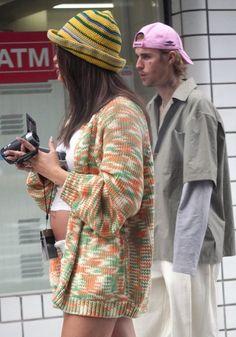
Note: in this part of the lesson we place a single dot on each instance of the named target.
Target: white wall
(209, 34)
(29, 315)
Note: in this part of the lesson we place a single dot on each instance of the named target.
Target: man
(194, 218)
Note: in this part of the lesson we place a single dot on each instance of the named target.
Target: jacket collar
(181, 93)
(184, 90)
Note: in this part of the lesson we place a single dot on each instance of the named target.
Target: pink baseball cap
(160, 36)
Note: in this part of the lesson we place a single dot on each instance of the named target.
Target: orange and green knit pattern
(106, 267)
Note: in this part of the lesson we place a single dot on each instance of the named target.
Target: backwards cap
(160, 36)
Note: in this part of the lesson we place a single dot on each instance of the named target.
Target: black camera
(47, 240)
(32, 137)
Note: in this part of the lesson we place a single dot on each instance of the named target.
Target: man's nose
(139, 64)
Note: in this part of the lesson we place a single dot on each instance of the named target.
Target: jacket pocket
(101, 266)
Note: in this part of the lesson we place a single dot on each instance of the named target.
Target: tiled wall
(29, 315)
(209, 33)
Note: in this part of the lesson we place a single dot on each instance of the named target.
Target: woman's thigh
(81, 326)
(124, 328)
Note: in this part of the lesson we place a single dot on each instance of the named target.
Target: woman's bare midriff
(58, 223)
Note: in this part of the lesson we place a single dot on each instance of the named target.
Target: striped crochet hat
(93, 36)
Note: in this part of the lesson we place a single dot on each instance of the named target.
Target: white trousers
(180, 305)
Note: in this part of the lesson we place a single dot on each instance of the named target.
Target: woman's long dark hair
(89, 88)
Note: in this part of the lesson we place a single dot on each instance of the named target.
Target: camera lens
(32, 138)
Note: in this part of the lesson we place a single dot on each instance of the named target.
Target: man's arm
(191, 225)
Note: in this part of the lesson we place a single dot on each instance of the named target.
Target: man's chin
(146, 84)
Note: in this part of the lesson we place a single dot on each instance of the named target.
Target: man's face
(153, 67)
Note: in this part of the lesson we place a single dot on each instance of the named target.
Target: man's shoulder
(200, 104)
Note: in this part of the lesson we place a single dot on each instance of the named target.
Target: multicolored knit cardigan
(105, 269)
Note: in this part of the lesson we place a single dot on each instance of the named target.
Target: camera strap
(47, 238)
(47, 207)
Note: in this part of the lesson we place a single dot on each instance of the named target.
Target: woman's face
(59, 77)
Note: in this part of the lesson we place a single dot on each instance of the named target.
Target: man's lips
(142, 75)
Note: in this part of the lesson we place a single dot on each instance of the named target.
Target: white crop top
(58, 204)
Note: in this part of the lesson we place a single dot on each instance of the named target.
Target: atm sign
(26, 57)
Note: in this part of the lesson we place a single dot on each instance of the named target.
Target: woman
(102, 209)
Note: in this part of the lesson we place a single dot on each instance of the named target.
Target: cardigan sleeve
(40, 191)
(105, 200)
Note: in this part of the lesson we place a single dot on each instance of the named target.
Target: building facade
(209, 34)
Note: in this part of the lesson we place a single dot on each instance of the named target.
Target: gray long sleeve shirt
(191, 225)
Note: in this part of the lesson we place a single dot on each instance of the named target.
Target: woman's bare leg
(123, 328)
(81, 326)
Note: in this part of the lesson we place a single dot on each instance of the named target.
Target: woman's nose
(55, 59)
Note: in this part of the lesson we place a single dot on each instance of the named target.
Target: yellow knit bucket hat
(93, 36)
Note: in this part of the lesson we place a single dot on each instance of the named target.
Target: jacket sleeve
(40, 190)
(104, 201)
(191, 225)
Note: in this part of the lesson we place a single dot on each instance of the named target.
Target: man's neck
(166, 91)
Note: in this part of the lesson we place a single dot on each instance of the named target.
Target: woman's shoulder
(120, 107)
(122, 100)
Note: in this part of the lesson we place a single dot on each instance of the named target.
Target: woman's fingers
(51, 144)
(26, 166)
(25, 144)
(13, 155)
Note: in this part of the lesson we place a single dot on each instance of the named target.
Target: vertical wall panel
(222, 22)
(209, 35)
(191, 22)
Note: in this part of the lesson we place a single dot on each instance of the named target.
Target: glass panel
(21, 264)
(131, 16)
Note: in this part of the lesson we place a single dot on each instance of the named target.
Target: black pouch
(47, 240)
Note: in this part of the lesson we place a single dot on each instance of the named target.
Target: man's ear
(172, 56)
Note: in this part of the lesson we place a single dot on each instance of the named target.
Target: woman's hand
(45, 164)
(15, 155)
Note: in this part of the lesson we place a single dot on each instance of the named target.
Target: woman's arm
(45, 171)
(106, 200)
(41, 190)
